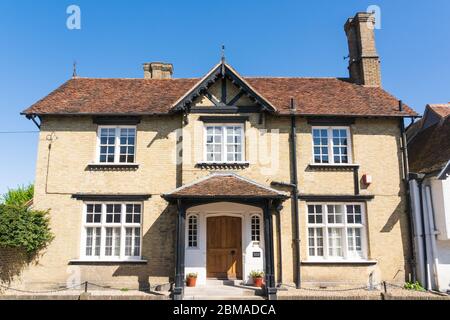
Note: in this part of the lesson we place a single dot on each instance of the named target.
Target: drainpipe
(294, 182)
(404, 149)
(424, 232)
(419, 179)
(278, 208)
(432, 232)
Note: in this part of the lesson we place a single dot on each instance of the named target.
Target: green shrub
(416, 286)
(24, 229)
(19, 196)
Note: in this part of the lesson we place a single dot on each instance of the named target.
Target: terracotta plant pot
(258, 282)
(191, 282)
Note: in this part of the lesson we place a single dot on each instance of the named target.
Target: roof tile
(429, 151)
(314, 96)
(224, 185)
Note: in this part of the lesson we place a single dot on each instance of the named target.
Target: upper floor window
(117, 144)
(224, 143)
(331, 145)
(336, 231)
(112, 231)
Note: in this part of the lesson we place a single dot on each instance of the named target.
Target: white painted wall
(195, 258)
(436, 211)
(443, 266)
(441, 206)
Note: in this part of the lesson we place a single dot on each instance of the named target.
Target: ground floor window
(112, 231)
(336, 231)
(193, 231)
(256, 228)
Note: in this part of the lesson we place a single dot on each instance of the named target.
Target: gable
(222, 94)
(222, 90)
(430, 118)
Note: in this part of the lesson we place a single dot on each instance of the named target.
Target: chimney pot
(158, 70)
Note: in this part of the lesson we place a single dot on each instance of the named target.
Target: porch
(224, 231)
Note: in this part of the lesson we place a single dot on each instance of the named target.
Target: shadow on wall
(158, 245)
(12, 262)
(399, 216)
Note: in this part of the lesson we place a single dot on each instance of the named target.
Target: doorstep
(223, 290)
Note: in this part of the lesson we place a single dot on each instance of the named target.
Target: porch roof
(222, 186)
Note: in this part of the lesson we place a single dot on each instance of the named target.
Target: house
(429, 155)
(151, 179)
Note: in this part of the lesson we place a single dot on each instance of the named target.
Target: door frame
(234, 215)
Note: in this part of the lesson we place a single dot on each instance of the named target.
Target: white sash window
(336, 232)
(116, 144)
(331, 145)
(112, 231)
(224, 143)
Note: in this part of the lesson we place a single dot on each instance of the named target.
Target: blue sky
(271, 38)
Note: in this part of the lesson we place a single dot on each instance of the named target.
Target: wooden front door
(224, 248)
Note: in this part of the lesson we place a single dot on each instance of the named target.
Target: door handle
(233, 252)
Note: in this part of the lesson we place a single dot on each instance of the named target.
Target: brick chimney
(158, 70)
(364, 62)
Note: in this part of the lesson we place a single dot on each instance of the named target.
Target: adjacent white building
(429, 152)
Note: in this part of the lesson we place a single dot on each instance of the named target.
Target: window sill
(340, 262)
(112, 166)
(105, 262)
(333, 167)
(222, 165)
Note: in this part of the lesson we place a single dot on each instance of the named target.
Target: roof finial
(74, 74)
(223, 53)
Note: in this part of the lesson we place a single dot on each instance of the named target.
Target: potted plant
(191, 279)
(257, 277)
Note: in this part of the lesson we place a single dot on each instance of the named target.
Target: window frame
(103, 225)
(198, 231)
(331, 145)
(325, 226)
(224, 158)
(117, 144)
(259, 228)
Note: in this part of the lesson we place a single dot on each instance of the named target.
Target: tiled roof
(328, 96)
(443, 110)
(429, 151)
(224, 185)
(113, 96)
(314, 96)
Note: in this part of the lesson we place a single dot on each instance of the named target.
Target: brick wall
(375, 147)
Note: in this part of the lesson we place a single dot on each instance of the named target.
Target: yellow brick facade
(376, 148)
